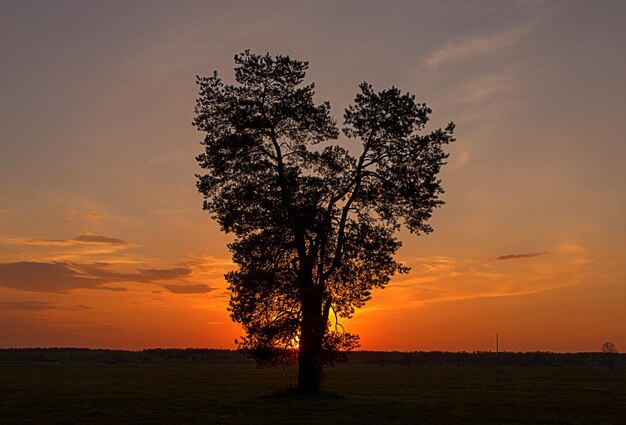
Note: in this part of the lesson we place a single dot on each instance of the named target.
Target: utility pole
(497, 356)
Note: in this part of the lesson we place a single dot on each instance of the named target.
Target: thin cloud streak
(466, 47)
(519, 256)
(80, 239)
(189, 289)
(62, 277)
(443, 279)
(26, 305)
(99, 239)
(487, 86)
(11, 210)
(94, 215)
(44, 277)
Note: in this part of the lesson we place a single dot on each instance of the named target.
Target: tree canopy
(314, 222)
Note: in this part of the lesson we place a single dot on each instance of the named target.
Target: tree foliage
(314, 223)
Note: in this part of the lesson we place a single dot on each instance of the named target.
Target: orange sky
(102, 239)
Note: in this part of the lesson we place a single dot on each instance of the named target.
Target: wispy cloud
(189, 289)
(8, 210)
(104, 271)
(439, 279)
(45, 277)
(519, 256)
(80, 239)
(465, 47)
(487, 86)
(26, 305)
(63, 276)
(73, 214)
(99, 239)
(94, 215)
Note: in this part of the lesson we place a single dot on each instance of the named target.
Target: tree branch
(337, 324)
(288, 201)
(346, 208)
(381, 178)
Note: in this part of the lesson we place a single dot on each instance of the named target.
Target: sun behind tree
(314, 224)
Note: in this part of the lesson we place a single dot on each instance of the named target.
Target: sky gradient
(103, 242)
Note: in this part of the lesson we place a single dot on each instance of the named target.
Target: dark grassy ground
(218, 394)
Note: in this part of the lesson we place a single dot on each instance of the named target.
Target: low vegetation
(379, 358)
(181, 386)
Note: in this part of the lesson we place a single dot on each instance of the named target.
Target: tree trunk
(309, 370)
(309, 351)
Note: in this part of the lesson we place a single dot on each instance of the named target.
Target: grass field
(218, 394)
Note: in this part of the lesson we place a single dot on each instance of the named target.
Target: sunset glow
(103, 241)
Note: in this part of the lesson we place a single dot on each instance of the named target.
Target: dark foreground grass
(218, 394)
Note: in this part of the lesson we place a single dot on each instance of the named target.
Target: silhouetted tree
(313, 224)
(609, 352)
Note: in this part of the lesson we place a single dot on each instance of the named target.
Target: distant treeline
(483, 358)
(379, 358)
(148, 356)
